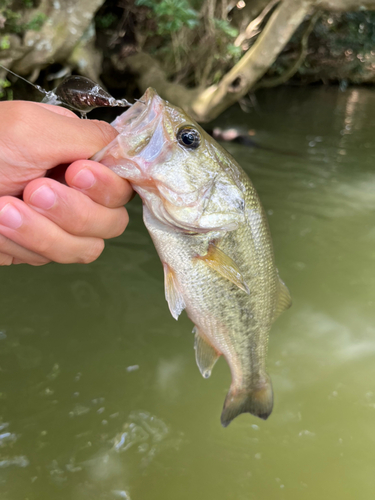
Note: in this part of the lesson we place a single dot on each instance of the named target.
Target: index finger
(99, 183)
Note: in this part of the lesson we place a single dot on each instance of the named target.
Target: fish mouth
(140, 116)
(136, 128)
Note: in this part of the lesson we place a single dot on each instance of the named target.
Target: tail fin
(258, 402)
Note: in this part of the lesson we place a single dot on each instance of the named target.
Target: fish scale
(212, 236)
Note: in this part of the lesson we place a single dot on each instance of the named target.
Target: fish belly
(223, 313)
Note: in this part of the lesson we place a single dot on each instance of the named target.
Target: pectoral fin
(284, 300)
(172, 293)
(205, 355)
(225, 266)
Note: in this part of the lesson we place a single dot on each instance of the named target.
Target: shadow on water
(100, 397)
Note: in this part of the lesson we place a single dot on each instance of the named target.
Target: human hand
(55, 222)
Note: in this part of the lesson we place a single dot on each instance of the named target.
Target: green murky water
(100, 397)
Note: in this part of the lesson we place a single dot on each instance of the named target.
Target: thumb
(55, 137)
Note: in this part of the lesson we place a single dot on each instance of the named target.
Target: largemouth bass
(211, 233)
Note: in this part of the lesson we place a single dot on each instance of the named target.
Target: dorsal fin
(284, 300)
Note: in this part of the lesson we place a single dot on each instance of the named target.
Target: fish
(212, 236)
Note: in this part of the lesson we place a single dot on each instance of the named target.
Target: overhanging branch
(290, 72)
(235, 84)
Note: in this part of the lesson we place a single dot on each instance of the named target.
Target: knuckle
(121, 223)
(93, 251)
(45, 247)
(38, 263)
(82, 222)
(5, 260)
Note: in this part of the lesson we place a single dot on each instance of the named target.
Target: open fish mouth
(136, 127)
(140, 115)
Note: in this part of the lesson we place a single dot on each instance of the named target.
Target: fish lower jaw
(165, 218)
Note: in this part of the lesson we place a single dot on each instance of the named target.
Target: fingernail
(43, 198)
(84, 179)
(10, 217)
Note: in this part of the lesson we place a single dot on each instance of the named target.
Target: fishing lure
(77, 93)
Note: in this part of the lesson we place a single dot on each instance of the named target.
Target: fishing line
(71, 92)
(41, 89)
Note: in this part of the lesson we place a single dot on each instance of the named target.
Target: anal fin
(205, 355)
(224, 265)
(173, 295)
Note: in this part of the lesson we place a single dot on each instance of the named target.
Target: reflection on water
(100, 397)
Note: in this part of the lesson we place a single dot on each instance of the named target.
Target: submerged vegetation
(203, 54)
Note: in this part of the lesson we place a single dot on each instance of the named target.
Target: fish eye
(189, 137)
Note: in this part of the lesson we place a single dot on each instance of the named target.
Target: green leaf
(4, 43)
(226, 28)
